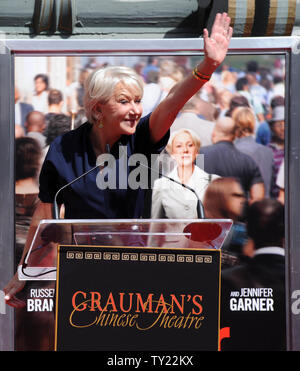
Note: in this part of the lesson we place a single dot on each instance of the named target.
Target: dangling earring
(100, 125)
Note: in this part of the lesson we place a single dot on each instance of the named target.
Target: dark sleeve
(256, 174)
(49, 180)
(143, 143)
(204, 151)
(47, 184)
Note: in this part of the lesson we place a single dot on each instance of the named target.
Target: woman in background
(171, 200)
(28, 164)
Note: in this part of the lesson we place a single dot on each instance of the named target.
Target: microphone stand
(55, 204)
(200, 208)
(55, 210)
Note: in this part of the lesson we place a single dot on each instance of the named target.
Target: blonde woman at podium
(114, 110)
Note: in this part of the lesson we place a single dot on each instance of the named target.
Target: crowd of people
(255, 129)
(236, 121)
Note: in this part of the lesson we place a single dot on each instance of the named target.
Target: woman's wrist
(206, 67)
(200, 76)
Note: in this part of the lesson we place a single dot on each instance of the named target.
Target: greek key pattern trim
(142, 257)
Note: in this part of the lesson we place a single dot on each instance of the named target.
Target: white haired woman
(172, 200)
(114, 109)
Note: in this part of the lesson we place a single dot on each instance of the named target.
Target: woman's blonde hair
(101, 84)
(190, 132)
(244, 119)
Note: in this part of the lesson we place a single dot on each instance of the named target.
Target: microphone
(55, 204)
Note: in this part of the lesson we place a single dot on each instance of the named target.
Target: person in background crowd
(225, 199)
(279, 88)
(171, 200)
(56, 102)
(138, 68)
(189, 119)
(153, 93)
(263, 134)
(228, 81)
(80, 87)
(19, 131)
(75, 96)
(183, 62)
(256, 89)
(280, 183)
(278, 68)
(252, 66)
(28, 165)
(236, 101)
(92, 64)
(170, 74)
(75, 92)
(35, 126)
(242, 88)
(224, 159)
(58, 124)
(152, 66)
(266, 83)
(277, 127)
(244, 119)
(212, 94)
(223, 99)
(207, 110)
(259, 327)
(21, 109)
(114, 110)
(40, 97)
(277, 100)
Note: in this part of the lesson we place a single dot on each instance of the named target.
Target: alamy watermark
(136, 171)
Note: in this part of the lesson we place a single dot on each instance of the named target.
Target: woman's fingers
(221, 24)
(11, 289)
(14, 302)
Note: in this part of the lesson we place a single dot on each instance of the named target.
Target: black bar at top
(261, 17)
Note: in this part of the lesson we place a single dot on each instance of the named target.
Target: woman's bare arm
(43, 211)
(215, 49)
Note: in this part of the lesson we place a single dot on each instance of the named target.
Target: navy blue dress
(71, 155)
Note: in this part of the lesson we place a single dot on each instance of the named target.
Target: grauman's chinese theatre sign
(125, 298)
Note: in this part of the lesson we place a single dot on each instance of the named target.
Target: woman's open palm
(216, 45)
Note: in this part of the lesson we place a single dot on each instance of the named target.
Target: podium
(128, 285)
(41, 259)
